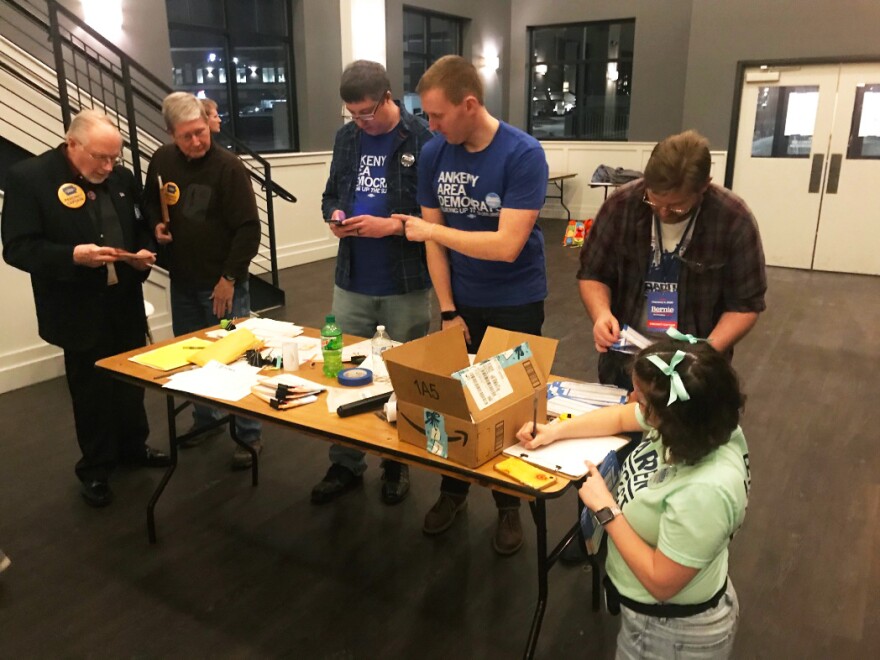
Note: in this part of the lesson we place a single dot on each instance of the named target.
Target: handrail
(112, 79)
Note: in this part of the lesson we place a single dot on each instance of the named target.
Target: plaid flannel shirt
(410, 267)
(721, 271)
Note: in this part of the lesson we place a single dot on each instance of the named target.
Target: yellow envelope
(226, 350)
(173, 355)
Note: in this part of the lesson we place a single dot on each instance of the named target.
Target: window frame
(429, 57)
(581, 64)
(233, 41)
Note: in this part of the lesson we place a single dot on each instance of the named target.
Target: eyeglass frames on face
(364, 116)
(101, 158)
(679, 213)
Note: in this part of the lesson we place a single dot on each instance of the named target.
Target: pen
(535, 418)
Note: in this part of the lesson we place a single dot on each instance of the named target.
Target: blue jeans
(406, 316)
(193, 309)
(705, 636)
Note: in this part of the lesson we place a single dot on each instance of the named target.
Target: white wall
(582, 158)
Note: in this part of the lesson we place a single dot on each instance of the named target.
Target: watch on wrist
(229, 278)
(448, 316)
(606, 515)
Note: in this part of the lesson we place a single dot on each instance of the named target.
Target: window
(238, 53)
(784, 121)
(427, 36)
(581, 80)
(864, 137)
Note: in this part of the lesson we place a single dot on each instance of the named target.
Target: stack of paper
(576, 398)
(270, 330)
(230, 382)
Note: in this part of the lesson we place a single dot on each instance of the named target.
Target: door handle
(833, 174)
(816, 173)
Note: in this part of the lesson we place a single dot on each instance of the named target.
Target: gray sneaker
(241, 457)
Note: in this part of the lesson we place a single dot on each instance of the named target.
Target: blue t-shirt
(470, 189)
(371, 257)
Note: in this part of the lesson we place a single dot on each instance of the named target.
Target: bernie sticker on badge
(71, 195)
(493, 200)
(171, 192)
(435, 434)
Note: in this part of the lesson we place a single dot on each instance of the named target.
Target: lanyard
(657, 241)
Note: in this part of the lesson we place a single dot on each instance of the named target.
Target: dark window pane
(195, 12)
(581, 80)
(257, 16)
(246, 70)
(414, 30)
(426, 38)
(261, 82)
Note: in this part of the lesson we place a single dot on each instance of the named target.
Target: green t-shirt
(689, 512)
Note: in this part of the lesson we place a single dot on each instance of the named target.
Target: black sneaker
(337, 481)
(395, 486)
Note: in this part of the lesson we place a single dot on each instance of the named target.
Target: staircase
(52, 65)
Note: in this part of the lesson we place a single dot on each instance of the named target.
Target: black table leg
(539, 513)
(172, 447)
(255, 461)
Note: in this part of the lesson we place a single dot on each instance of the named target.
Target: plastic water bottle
(331, 346)
(381, 342)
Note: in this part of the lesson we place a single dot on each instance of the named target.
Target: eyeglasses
(199, 133)
(678, 213)
(103, 159)
(364, 116)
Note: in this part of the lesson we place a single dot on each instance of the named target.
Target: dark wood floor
(259, 572)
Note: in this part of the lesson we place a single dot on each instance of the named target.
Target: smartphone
(331, 221)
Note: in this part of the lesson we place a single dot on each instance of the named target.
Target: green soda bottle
(331, 346)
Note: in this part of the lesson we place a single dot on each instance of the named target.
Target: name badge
(171, 192)
(662, 310)
(407, 160)
(71, 195)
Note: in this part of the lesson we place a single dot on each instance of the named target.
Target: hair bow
(677, 390)
(676, 334)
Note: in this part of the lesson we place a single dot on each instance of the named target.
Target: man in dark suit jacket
(71, 219)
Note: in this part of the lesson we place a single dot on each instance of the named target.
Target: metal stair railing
(92, 72)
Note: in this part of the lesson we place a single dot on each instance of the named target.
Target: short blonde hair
(85, 122)
(210, 105)
(455, 76)
(180, 107)
(679, 162)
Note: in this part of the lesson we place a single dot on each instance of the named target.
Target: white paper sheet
(231, 382)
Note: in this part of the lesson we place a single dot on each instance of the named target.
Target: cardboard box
(469, 424)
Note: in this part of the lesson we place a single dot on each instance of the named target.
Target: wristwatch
(229, 278)
(448, 316)
(606, 515)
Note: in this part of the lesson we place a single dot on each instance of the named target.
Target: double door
(807, 162)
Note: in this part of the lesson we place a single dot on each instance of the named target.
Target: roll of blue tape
(354, 377)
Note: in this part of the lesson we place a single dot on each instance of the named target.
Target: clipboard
(566, 457)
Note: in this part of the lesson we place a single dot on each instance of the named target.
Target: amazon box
(469, 414)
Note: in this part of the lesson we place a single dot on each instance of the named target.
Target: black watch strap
(229, 278)
(448, 316)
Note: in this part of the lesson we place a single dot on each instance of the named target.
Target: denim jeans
(705, 636)
(406, 316)
(193, 309)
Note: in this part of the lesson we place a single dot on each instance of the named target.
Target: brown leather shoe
(442, 514)
(241, 457)
(509, 534)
